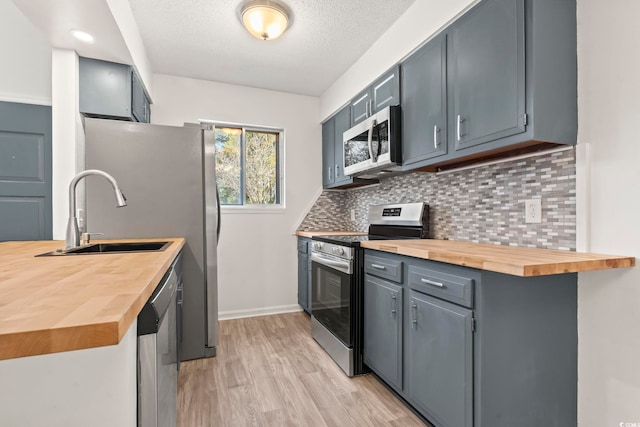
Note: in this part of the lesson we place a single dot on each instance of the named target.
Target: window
(248, 165)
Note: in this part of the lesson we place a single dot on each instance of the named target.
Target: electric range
(337, 286)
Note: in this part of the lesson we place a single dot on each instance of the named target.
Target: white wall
(25, 74)
(608, 178)
(421, 21)
(257, 251)
(95, 387)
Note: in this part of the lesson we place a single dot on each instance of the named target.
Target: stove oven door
(331, 295)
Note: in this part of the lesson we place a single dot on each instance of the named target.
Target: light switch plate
(533, 211)
(353, 214)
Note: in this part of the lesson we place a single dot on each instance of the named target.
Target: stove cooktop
(347, 240)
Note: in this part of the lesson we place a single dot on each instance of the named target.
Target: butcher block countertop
(60, 303)
(524, 262)
(312, 233)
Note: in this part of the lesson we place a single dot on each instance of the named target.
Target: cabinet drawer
(303, 246)
(383, 267)
(450, 287)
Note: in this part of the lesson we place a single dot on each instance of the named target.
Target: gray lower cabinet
(304, 274)
(475, 348)
(383, 92)
(111, 90)
(383, 329)
(439, 359)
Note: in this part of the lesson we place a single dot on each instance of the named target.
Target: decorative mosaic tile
(483, 204)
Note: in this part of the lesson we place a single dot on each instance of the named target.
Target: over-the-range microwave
(374, 145)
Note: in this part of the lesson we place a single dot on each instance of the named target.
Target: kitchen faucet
(73, 233)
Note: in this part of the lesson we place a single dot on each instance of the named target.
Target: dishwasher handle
(156, 307)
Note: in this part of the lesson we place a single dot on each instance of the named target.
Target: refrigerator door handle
(212, 229)
(219, 215)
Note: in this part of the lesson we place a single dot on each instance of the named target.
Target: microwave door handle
(374, 158)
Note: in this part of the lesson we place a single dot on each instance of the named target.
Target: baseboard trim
(255, 312)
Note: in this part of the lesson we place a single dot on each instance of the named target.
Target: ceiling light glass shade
(265, 20)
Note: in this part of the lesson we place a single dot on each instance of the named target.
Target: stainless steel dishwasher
(158, 353)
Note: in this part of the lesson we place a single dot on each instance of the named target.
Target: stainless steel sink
(111, 248)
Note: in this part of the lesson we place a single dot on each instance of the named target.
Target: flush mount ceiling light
(82, 36)
(264, 19)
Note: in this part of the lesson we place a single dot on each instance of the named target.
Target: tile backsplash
(484, 204)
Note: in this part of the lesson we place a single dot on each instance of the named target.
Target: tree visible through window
(247, 166)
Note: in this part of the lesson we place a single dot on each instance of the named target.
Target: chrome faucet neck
(73, 232)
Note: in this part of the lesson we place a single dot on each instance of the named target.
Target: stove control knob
(338, 251)
(317, 246)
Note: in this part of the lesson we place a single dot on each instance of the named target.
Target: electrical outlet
(353, 214)
(533, 211)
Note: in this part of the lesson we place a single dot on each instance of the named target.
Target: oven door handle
(344, 266)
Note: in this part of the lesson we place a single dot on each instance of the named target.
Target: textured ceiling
(204, 39)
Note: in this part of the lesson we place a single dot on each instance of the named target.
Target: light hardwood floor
(270, 372)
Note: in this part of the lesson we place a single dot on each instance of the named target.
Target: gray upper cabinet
(360, 106)
(383, 329)
(332, 150)
(111, 90)
(508, 80)
(424, 103)
(381, 93)
(139, 101)
(328, 153)
(440, 357)
(488, 73)
(342, 122)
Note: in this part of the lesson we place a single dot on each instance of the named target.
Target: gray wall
(484, 204)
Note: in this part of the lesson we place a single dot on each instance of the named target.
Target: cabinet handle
(459, 126)
(432, 283)
(336, 169)
(435, 137)
(394, 302)
(414, 320)
(378, 266)
(371, 107)
(330, 173)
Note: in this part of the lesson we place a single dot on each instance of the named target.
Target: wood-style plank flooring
(270, 372)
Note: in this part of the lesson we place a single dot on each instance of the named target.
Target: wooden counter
(312, 233)
(517, 261)
(61, 303)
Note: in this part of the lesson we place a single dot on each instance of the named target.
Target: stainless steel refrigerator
(168, 176)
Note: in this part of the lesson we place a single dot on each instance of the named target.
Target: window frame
(279, 207)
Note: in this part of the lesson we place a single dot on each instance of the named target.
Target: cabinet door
(342, 122)
(439, 358)
(424, 103)
(138, 99)
(383, 329)
(386, 90)
(360, 107)
(104, 88)
(303, 281)
(488, 73)
(328, 150)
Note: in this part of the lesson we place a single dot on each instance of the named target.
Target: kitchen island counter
(60, 303)
(517, 261)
